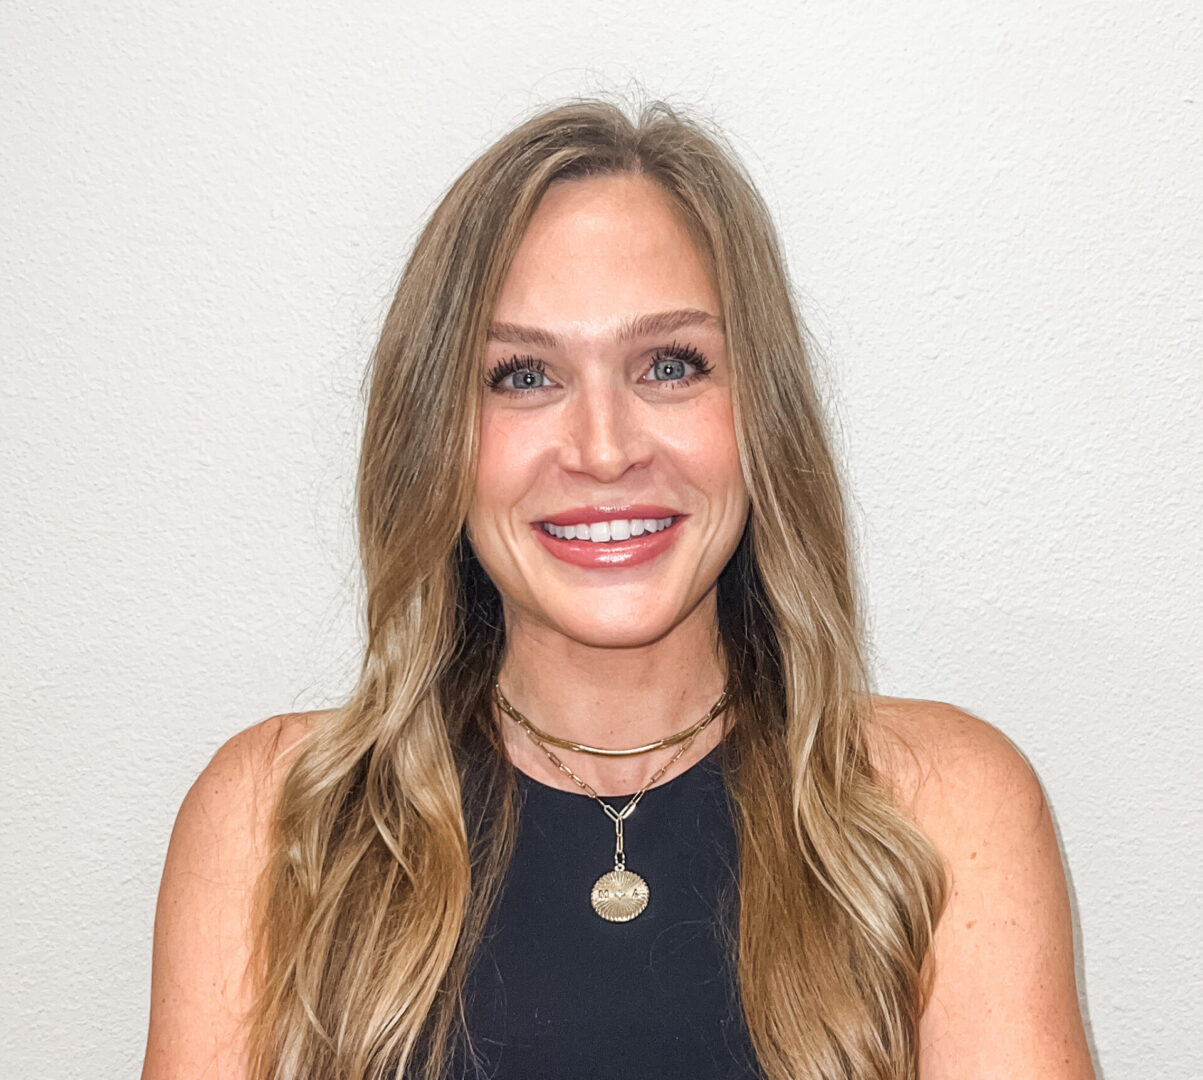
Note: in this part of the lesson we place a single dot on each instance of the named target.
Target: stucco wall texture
(992, 217)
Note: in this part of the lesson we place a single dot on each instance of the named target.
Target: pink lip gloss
(611, 553)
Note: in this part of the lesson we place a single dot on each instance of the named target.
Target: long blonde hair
(394, 826)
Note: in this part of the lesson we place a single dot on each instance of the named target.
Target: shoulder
(226, 814)
(1003, 1000)
(950, 769)
(241, 779)
(218, 847)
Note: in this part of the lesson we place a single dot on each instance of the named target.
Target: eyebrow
(658, 322)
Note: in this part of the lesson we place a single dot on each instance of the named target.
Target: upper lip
(587, 515)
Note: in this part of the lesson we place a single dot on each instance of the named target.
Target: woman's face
(607, 408)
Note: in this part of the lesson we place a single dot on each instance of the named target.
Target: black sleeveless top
(558, 993)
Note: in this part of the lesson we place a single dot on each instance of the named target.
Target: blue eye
(669, 370)
(671, 364)
(528, 370)
(527, 380)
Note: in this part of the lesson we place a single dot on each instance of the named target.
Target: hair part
(394, 827)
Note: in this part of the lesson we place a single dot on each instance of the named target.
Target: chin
(618, 632)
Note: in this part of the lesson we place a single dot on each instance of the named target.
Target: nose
(606, 434)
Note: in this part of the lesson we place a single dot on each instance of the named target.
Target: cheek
(708, 446)
(504, 466)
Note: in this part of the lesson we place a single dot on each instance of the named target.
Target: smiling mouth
(607, 532)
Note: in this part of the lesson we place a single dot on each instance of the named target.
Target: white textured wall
(992, 212)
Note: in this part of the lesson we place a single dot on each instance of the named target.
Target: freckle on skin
(971, 924)
(973, 855)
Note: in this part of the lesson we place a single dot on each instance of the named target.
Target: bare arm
(199, 990)
(1004, 1002)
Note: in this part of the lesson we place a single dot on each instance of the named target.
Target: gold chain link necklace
(619, 894)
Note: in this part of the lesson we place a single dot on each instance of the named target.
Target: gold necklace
(619, 894)
(602, 751)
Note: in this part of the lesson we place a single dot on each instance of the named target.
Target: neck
(611, 697)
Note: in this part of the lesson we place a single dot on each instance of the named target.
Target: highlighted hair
(394, 826)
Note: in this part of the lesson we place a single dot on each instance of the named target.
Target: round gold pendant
(619, 895)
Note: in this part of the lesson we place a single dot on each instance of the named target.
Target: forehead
(601, 251)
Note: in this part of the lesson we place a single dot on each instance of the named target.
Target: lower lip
(611, 554)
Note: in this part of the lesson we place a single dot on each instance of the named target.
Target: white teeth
(601, 532)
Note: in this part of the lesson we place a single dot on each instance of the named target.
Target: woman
(611, 796)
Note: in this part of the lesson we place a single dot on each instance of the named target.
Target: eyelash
(687, 353)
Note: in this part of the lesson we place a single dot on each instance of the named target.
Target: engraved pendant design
(619, 895)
